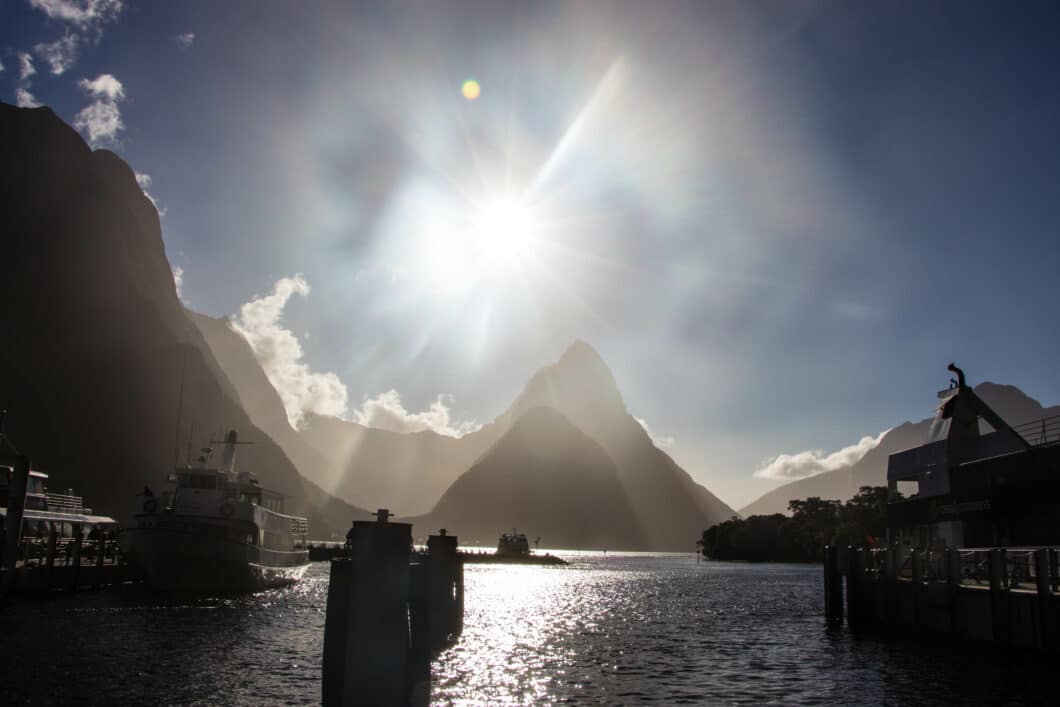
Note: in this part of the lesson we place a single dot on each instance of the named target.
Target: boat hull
(179, 561)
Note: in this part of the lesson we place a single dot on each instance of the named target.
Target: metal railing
(1039, 432)
(63, 502)
(1018, 569)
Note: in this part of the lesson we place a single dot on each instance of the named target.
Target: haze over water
(616, 628)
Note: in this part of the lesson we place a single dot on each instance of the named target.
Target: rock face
(371, 468)
(1009, 402)
(96, 338)
(545, 477)
(659, 502)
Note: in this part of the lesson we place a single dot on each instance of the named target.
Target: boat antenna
(180, 398)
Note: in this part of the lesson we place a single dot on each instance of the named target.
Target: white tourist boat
(215, 529)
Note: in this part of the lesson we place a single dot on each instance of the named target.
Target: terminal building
(977, 481)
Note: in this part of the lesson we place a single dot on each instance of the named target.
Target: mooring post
(1045, 598)
(101, 546)
(833, 586)
(16, 508)
(419, 663)
(853, 588)
(75, 556)
(445, 572)
(996, 563)
(366, 630)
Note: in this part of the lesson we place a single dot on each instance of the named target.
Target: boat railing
(1039, 432)
(65, 503)
(33, 551)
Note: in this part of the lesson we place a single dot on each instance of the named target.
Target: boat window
(198, 481)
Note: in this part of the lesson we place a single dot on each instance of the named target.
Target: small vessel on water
(513, 545)
(216, 530)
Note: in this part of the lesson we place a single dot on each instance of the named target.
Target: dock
(1002, 595)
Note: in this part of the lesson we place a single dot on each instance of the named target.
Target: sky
(777, 222)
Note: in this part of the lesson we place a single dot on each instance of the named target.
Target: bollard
(445, 575)
(366, 631)
(419, 663)
(833, 587)
(101, 547)
(75, 556)
(1045, 598)
(16, 508)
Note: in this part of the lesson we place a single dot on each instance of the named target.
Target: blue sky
(777, 222)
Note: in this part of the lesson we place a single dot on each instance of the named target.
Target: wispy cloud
(790, 467)
(144, 181)
(280, 354)
(386, 412)
(178, 280)
(85, 14)
(185, 40)
(659, 440)
(60, 54)
(25, 66)
(100, 121)
(25, 99)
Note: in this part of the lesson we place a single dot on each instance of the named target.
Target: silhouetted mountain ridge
(99, 337)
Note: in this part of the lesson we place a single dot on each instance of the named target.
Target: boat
(215, 530)
(513, 545)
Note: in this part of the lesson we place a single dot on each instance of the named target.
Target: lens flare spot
(471, 89)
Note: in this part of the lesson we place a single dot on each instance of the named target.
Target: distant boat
(216, 530)
(513, 545)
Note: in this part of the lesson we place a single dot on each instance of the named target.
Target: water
(616, 629)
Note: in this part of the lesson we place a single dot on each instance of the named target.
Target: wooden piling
(833, 587)
(366, 631)
(446, 589)
(16, 508)
(854, 578)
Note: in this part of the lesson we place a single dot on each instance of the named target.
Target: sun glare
(504, 230)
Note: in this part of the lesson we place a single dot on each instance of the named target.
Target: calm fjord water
(610, 628)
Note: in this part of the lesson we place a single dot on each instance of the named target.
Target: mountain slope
(668, 504)
(1009, 402)
(97, 338)
(547, 478)
(367, 467)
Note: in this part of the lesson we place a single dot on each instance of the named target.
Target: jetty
(973, 538)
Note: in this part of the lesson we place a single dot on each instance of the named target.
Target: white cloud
(25, 66)
(100, 121)
(659, 440)
(103, 86)
(789, 467)
(386, 412)
(185, 40)
(178, 280)
(280, 354)
(59, 54)
(25, 99)
(144, 181)
(86, 14)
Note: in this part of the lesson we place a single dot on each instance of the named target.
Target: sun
(504, 231)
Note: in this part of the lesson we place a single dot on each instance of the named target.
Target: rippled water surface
(614, 629)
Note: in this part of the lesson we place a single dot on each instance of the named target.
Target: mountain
(1009, 402)
(97, 339)
(367, 467)
(667, 507)
(546, 477)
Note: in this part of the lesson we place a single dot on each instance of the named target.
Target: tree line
(800, 537)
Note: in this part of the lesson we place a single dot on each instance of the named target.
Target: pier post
(446, 592)
(101, 547)
(953, 584)
(366, 630)
(996, 565)
(75, 556)
(854, 608)
(16, 508)
(833, 587)
(1045, 598)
